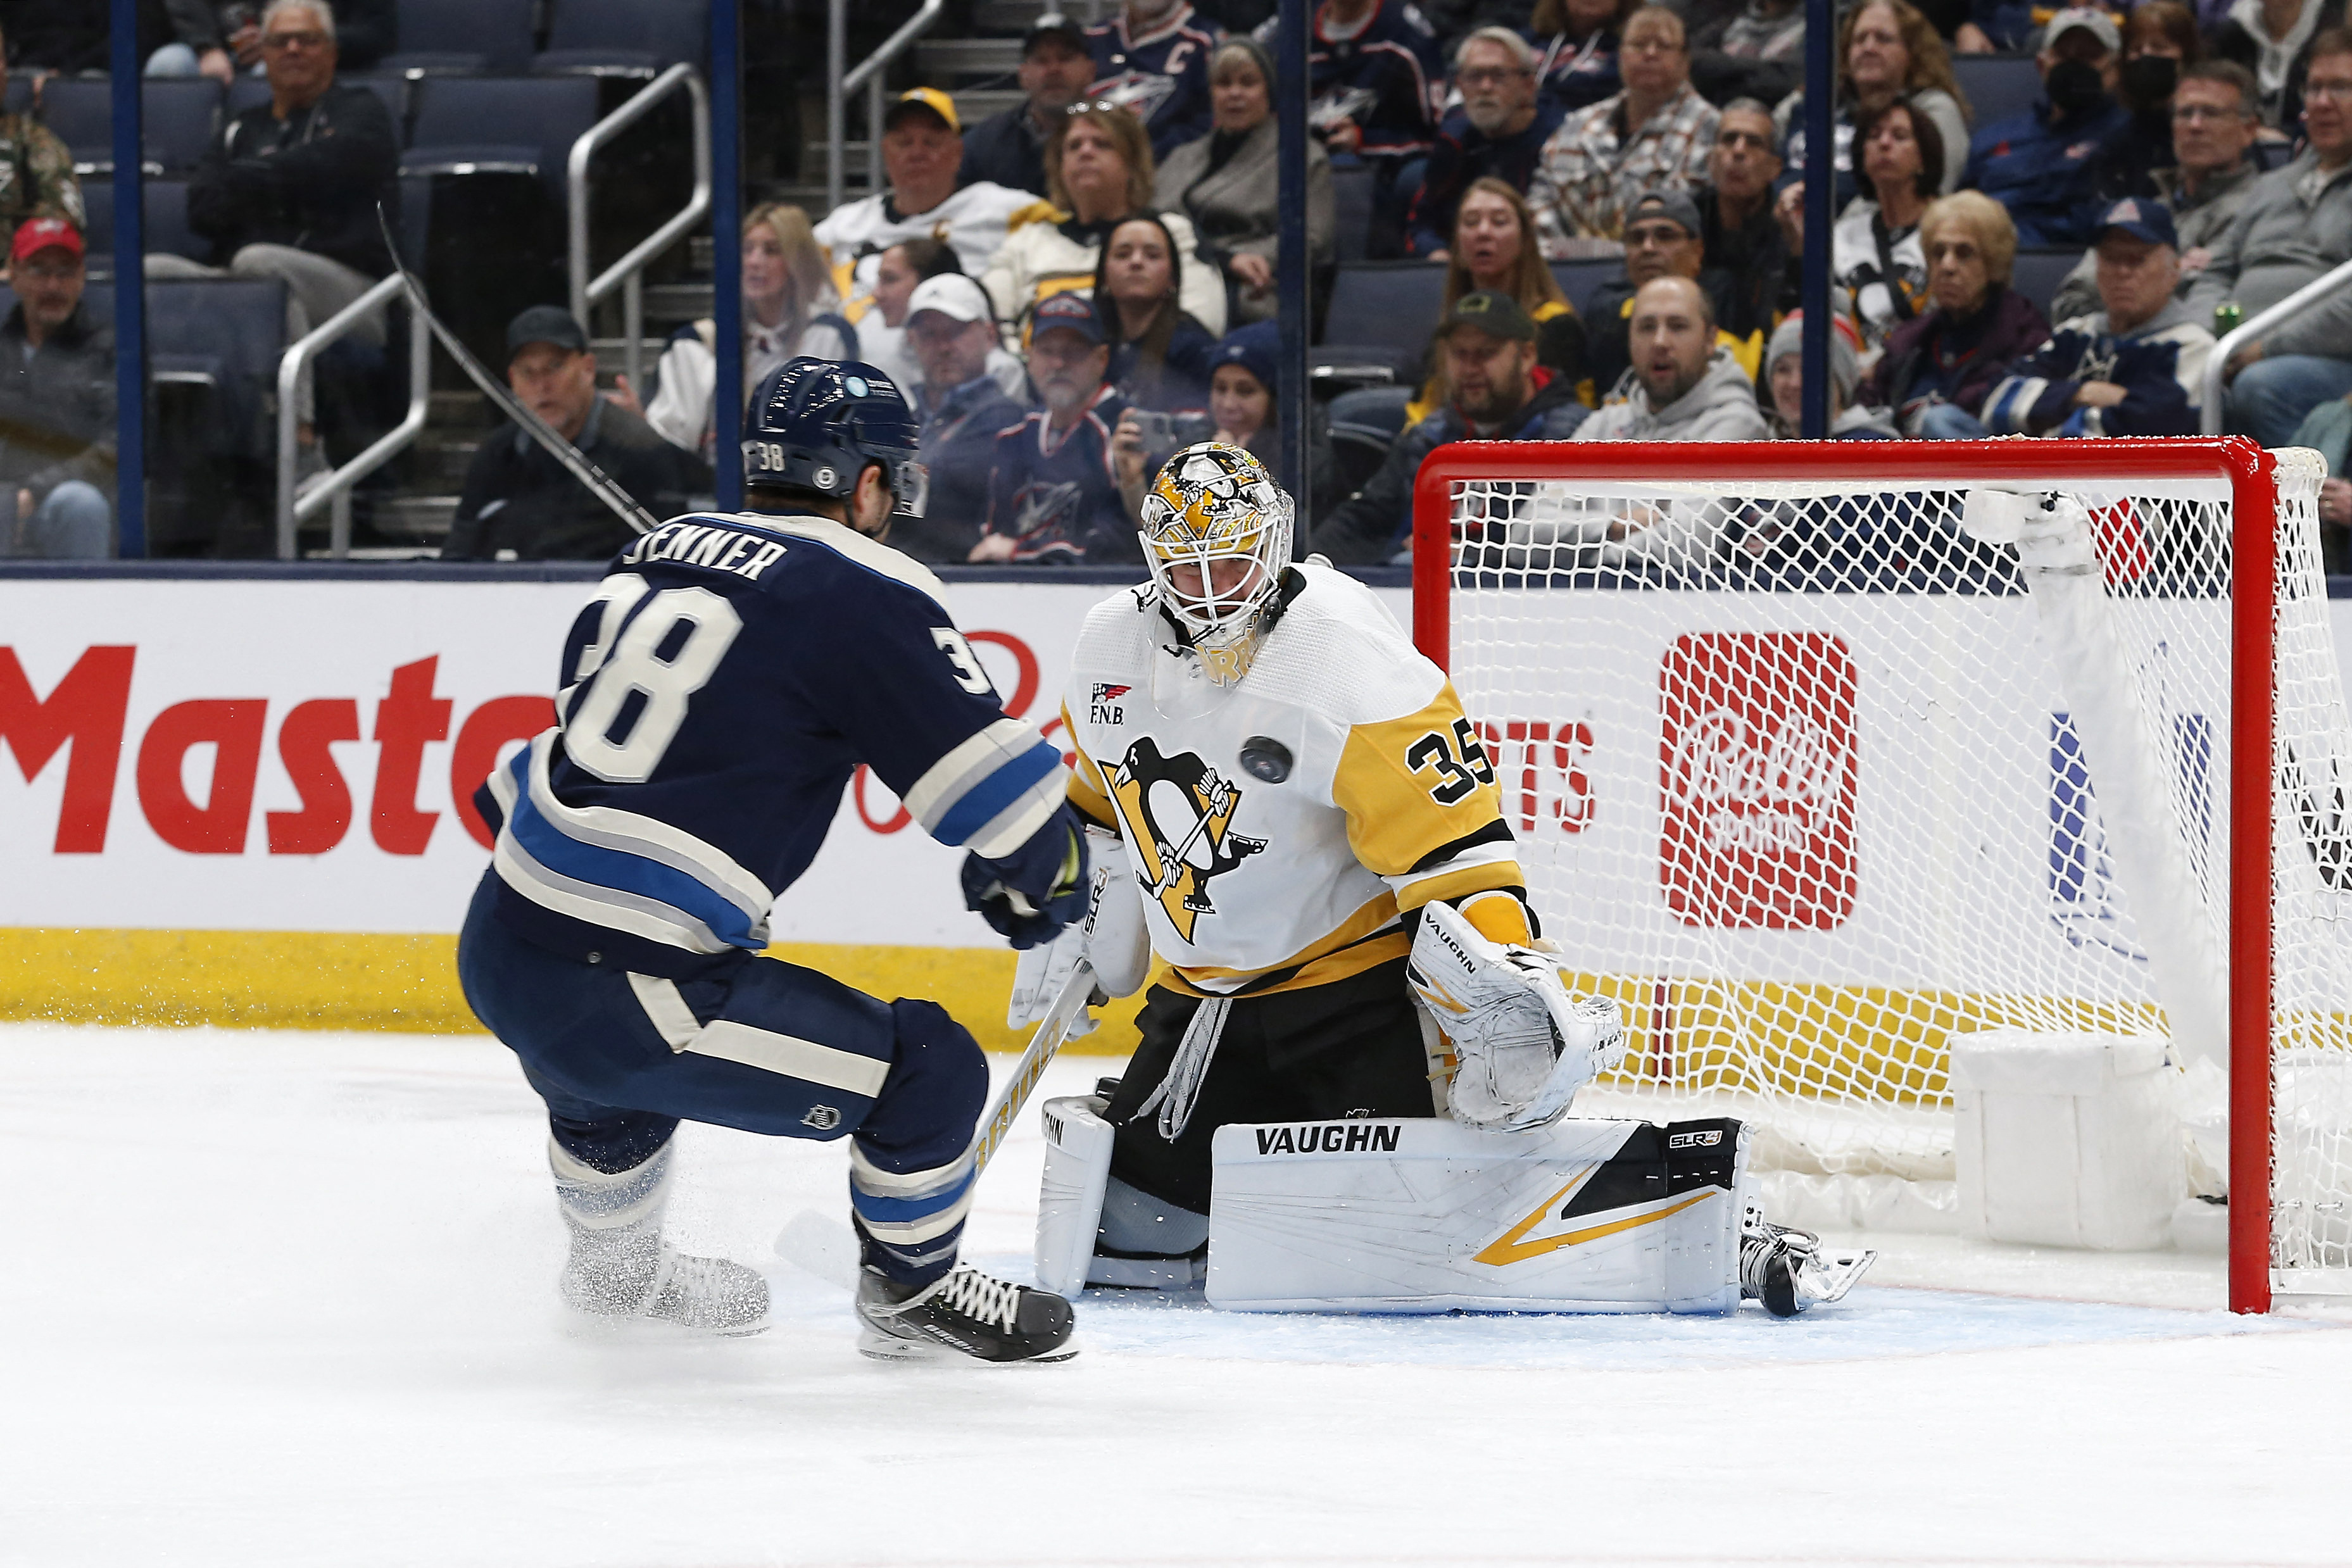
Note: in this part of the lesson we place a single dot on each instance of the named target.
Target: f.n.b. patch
(1103, 706)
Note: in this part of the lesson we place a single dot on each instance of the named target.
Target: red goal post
(1457, 480)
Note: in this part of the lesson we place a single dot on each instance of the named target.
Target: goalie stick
(600, 484)
(825, 1247)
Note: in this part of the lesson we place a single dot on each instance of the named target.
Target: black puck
(1263, 757)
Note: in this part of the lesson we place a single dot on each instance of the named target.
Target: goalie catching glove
(1109, 935)
(1524, 1044)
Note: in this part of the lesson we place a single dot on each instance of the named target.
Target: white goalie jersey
(1279, 826)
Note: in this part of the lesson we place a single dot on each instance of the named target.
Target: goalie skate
(964, 1313)
(1789, 1271)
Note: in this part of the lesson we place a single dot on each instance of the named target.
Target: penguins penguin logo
(1179, 813)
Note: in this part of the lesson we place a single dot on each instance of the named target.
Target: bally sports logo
(1757, 779)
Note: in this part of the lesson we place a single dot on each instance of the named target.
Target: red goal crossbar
(2245, 467)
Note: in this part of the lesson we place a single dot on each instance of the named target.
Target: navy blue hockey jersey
(717, 692)
(1162, 77)
(1058, 498)
(1388, 77)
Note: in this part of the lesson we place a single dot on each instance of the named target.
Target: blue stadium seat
(1578, 279)
(1384, 308)
(499, 125)
(179, 119)
(2038, 273)
(78, 109)
(462, 35)
(165, 205)
(1997, 87)
(624, 37)
(1352, 209)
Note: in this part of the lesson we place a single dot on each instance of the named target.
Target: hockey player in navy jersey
(716, 692)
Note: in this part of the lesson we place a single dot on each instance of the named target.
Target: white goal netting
(1800, 779)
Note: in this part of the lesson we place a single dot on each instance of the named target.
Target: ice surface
(287, 1298)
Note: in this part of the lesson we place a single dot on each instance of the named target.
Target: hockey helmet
(815, 425)
(1214, 503)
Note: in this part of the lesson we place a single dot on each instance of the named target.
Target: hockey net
(1809, 779)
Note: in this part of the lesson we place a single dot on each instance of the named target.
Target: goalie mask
(1216, 534)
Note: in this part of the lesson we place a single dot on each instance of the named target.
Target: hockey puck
(1263, 757)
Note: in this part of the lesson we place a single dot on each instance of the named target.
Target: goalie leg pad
(1070, 1194)
(1415, 1215)
(1524, 1045)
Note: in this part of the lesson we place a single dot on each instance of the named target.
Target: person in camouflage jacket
(37, 176)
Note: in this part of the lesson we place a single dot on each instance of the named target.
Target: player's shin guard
(910, 1164)
(909, 1224)
(620, 1267)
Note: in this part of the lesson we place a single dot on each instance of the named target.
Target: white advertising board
(280, 754)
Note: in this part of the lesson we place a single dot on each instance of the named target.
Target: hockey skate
(964, 1313)
(621, 1268)
(1786, 1269)
(631, 1272)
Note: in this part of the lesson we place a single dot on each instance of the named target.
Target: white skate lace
(982, 1297)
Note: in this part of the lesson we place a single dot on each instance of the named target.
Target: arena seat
(624, 37)
(1578, 279)
(2038, 273)
(1380, 316)
(179, 119)
(1997, 87)
(1351, 210)
(165, 205)
(493, 35)
(500, 124)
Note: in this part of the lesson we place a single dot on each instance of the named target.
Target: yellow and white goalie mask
(1216, 534)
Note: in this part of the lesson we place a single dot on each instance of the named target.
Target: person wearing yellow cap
(922, 148)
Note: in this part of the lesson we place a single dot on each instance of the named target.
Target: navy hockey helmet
(815, 425)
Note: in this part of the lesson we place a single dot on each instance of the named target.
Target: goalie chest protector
(1280, 823)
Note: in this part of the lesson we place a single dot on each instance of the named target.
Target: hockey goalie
(1360, 1054)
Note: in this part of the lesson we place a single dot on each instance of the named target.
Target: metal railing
(868, 76)
(2318, 291)
(628, 274)
(332, 489)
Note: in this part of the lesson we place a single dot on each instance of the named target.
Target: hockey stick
(825, 1248)
(1052, 1034)
(600, 484)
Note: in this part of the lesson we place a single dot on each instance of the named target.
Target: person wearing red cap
(56, 404)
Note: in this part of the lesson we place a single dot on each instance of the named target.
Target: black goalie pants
(1352, 1048)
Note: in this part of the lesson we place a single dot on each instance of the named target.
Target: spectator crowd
(1076, 287)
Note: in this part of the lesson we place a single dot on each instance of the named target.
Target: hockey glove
(1524, 1045)
(1111, 937)
(1028, 896)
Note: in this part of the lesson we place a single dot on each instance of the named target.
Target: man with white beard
(1498, 130)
